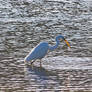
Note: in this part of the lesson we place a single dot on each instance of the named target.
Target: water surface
(23, 24)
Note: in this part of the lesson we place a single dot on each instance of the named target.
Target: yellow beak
(67, 43)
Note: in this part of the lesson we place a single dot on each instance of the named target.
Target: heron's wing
(39, 51)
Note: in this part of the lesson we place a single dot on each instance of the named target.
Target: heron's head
(58, 38)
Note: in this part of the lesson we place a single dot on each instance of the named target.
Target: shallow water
(23, 24)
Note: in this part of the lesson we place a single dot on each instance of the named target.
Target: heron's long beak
(67, 43)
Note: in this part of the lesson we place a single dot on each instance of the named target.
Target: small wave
(65, 62)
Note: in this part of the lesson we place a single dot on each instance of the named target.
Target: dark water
(25, 23)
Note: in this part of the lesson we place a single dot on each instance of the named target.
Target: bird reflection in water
(39, 75)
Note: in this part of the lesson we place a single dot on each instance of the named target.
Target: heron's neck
(51, 48)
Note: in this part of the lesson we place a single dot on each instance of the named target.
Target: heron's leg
(25, 62)
(40, 63)
(32, 64)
